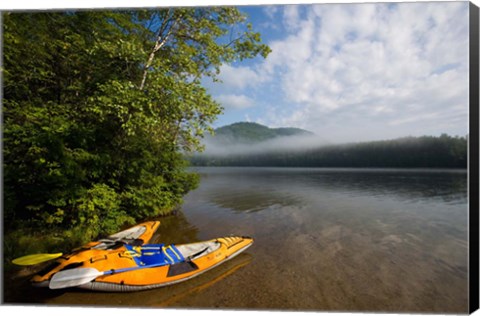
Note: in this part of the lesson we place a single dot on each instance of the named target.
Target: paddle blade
(35, 259)
(73, 277)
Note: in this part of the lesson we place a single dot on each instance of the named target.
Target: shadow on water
(161, 297)
(19, 291)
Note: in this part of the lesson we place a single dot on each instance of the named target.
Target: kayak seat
(152, 254)
(172, 254)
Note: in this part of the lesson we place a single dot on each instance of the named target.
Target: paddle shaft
(79, 276)
(113, 271)
(33, 259)
(103, 244)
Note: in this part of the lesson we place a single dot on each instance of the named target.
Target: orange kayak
(140, 233)
(148, 266)
(113, 244)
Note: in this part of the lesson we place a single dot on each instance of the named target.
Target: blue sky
(345, 71)
(354, 72)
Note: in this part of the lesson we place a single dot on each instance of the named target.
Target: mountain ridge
(252, 133)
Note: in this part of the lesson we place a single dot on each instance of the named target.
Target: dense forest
(99, 108)
(409, 152)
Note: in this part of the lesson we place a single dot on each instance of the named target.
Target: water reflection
(246, 199)
(184, 290)
(175, 229)
(325, 240)
(343, 239)
(255, 189)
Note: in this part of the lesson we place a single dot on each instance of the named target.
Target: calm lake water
(372, 240)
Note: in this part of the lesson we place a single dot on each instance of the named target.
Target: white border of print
(85, 4)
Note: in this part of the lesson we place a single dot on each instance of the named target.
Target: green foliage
(99, 211)
(99, 107)
(410, 152)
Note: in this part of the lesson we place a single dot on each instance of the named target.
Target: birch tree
(100, 106)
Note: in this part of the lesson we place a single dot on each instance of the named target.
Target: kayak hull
(196, 258)
(143, 232)
(113, 244)
(157, 277)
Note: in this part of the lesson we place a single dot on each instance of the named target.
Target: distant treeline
(409, 152)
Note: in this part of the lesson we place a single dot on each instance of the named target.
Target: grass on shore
(24, 242)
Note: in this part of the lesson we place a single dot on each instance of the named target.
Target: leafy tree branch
(100, 106)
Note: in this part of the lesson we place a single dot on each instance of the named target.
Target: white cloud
(388, 66)
(271, 11)
(232, 92)
(234, 78)
(235, 101)
(291, 16)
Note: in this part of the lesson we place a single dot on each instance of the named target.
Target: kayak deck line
(110, 287)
